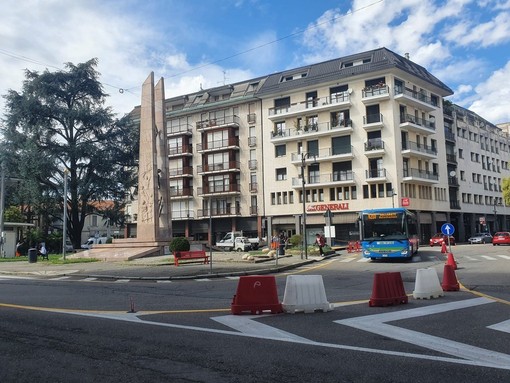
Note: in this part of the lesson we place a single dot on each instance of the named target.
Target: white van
(93, 241)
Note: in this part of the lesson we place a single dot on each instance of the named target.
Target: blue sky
(195, 43)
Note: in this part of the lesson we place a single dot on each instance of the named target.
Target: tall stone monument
(154, 224)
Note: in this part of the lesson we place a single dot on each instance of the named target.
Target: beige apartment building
(365, 131)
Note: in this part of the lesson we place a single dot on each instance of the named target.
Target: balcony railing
(410, 145)
(418, 173)
(372, 118)
(375, 173)
(374, 144)
(219, 188)
(375, 90)
(176, 172)
(336, 98)
(252, 141)
(219, 212)
(451, 157)
(179, 129)
(253, 210)
(252, 164)
(415, 95)
(181, 192)
(345, 125)
(455, 205)
(219, 144)
(253, 186)
(453, 181)
(219, 121)
(409, 118)
(346, 176)
(219, 167)
(182, 149)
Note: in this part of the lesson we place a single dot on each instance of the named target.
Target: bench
(190, 255)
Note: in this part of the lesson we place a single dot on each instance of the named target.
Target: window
(341, 145)
(281, 174)
(280, 150)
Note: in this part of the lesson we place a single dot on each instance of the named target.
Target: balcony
(452, 158)
(341, 177)
(375, 175)
(455, 205)
(252, 141)
(252, 164)
(219, 188)
(180, 192)
(375, 94)
(410, 148)
(326, 154)
(218, 145)
(374, 147)
(413, 98)
(449, 135)
(220, 167)
(183, 214)
(410, 122)
(215, 123)
(185, 171)
(177, 151)
(229, 211)
(334, 101)
(311, 131)
(179, 130)
(453, 181)
(373, 122)
(419, 175)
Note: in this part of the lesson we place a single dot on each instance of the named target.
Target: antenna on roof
(406, 55)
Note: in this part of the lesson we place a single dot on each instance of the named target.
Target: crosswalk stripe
(347, 260)
(90, 279)
(60, 278)
(471, 258)
(364, 260)
(489, 258)
(504, 256)
(166, 281)
(122, 280)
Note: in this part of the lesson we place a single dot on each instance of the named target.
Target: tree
(58, 124)
(505, 187)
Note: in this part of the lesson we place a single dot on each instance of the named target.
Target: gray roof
(333, 70)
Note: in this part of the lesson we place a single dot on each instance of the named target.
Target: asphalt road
(81, 329)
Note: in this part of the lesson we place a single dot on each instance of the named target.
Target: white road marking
(503, 326)
(479, 356)
(122, 280)
(489, 258)
(471, 258)
(345, 260)
(90, 279)
(504, 257)
(165, 281)
(60, 278)
(203, 280)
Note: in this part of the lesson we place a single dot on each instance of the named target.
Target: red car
(439, 238)
(501, 238)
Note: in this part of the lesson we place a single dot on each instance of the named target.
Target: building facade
(325, 141)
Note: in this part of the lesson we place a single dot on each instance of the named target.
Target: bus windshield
(384, 225)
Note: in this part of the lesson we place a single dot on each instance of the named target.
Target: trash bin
(32, 255)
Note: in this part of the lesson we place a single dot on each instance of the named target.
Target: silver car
(480, 238)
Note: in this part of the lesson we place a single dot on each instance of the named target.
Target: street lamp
(495, 215)
(64, 224)
(393, 194)
(304, 156)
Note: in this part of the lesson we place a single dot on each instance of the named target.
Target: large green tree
(58, 124)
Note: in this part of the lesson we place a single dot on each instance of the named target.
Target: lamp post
(304, 156)
(2, 202)
(64, 223)
(393, 194)
(495, 216)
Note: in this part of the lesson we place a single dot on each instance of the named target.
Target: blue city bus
(388, 233)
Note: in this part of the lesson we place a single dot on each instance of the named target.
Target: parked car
(501, 238)
(439, 238)
(480, 238)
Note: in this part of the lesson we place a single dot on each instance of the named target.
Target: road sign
(447, 229)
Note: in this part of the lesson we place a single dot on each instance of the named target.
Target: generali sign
(328, 206)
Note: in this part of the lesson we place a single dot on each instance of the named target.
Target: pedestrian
(18, 248)
(43, 251)
(319, 241)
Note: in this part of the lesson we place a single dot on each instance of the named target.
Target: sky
(197, 44)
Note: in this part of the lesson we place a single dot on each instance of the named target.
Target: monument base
(124, 249)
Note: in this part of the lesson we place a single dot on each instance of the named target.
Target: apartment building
(364, 131)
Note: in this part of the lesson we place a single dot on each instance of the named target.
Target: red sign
(405, 201)
(330, 206)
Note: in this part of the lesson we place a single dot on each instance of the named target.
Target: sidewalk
(161, 268)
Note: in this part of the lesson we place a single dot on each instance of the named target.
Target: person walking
(319, 241)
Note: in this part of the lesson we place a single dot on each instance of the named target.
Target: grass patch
(54, 259)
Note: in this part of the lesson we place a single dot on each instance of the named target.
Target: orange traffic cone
(443, 248)
(451, 261)
(450, 282)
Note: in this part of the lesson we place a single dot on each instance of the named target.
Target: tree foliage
(58, 125)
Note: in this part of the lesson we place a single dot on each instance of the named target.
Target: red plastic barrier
(255, 294)
(388, 289)
(353, 246)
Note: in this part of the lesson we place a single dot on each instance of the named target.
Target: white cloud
(492, 97)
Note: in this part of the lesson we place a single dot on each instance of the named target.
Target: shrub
(296, 240)
(179, 244)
